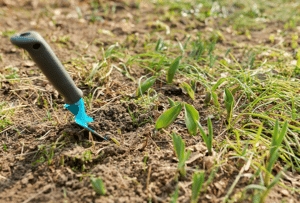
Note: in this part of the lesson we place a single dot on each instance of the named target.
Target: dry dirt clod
(284, 192)
(208, 161)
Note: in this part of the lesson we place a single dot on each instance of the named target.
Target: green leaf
(186, 42)
(277, 177)
(207, 98)
(159, 44)
(110, 49)
(207, 138)
(191, 117)
(210, 136)
(215, 100)
(168, 117)
(171, 102)
(179, 147)
(145, 86)
(175, 195)
(172, 70)
(181, 164)
(229, 101)
(181, 47)
(227, 52)
(189, 90)
(203, 134)
(271, 161)
(198, 180)
(282, 134)
(98, 186)
(220, 81)
(277, 138)
(193, 85)
(274, 137)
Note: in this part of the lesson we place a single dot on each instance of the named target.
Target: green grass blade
(255, 187)
(210, 136)
(215, 100)
(282, 134)
(159, 44)
(220, 81)
(229, 101)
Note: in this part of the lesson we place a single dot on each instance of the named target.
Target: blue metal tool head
(80, 116)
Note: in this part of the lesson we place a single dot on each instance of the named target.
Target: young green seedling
(172, 70)
(182, 156)
(211, 95)
(175, 195)
(191, 117)
(169, 116)
(145, 86)
(188, 89)
(261, 190)
(172, 103)
(229, 103)
(98, 186)
(207, 138)
(51, 154)
(198, 179)
(265, 187)
(159, 44)
(277, 139)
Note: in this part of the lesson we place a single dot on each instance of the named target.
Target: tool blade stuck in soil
(50, 65)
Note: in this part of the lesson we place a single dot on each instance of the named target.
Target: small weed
(188, 89)
(51, 154)
(172, 70)
(175, 195)
(229, 103)
(87, 156)
(4, 122)
(207, 138)
(179, 147)
(8, 33)
(64, 39)
(133, 117)
(198, 179)
(144, 86)
(277, 139)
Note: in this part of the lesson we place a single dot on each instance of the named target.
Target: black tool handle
(48, 62)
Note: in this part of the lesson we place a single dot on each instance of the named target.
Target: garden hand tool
(50, 65)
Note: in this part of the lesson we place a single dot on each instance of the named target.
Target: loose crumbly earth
(142, 166)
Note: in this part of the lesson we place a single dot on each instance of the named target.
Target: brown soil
(143, 166)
